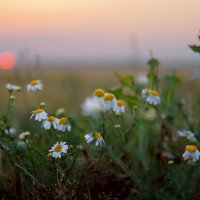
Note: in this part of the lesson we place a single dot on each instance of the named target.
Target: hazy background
(99, 32)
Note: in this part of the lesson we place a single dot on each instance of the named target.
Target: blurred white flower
(60, 111)
(188, 134)
(34, 85)
(191, 153)
(99, 141)
(119, 107)
(20, 144)
(109, 101)
(12, 97)
(142, 79)
(149, 115)
(151, 96)
(92, 107)
(63, 124)
(58, 149)
(99, 94)
(11, 87)
(50, 121)
(10, 131)
(23, 136)
(42, 104)
(39, 114)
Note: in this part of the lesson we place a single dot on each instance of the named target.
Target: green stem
(31, 156)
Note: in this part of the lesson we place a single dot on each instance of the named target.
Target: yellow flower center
(99, 93)
(120, 103)
(58, 148)
(108, 97)
(64, 120)
(186, 133)
(51, 118)
(191, 148)
(154, 93)
(97, 135)
(34, 82)
(37, 111)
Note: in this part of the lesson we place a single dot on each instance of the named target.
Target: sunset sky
(100, 29)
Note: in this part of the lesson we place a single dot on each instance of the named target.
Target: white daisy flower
(23, 136)
(99, 94)
(34, 85)
(188, 134)
(50, 121)
(11, 87)
(152, 96)
(63, 124)
(92, 107)
(109, 101)
(89, 137)
(119, 107)
(39, 114)
(58, 149)
(191, 153)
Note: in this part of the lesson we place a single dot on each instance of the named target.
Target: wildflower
(92, 107)
(58, 149)
(149, 115)
(50, 121)
(64, 124)
(23, 136)
(60, 111)
(89, 137)
(39, 114)
(99, 94)
(119, 107)
(191, 153)
(109, 101)
(42, 104)
(10, 131)
(34, 85)
(151, 96)
(11, 87)
(188, 134)
(20, 144)
(142, 79)
(80, 147)
(12, 97)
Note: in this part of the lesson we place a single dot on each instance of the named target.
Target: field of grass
(133, 155)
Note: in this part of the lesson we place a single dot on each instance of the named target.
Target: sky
(100, 30)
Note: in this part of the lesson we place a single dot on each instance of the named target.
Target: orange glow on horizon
(7, 60)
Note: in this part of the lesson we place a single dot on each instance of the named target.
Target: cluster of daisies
(48, 122)
(101, 101)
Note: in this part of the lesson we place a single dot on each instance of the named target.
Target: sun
(7, 60)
